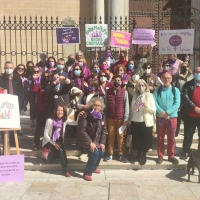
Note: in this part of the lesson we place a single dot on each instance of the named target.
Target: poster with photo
(9, 111)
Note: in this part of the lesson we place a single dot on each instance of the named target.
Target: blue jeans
(93, 160)
(11, 139)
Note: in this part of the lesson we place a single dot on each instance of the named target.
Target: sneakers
(173, 160)
(97, 171)
(45, 153)
(108, 158)
(123, 159)
(159, 160)
(67, 174)
(87, 177)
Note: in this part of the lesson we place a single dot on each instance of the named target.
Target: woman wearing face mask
(142, 120)
(58, 92)
(121, 70)
(104, 83)
(41, 108)
(20, 71)
(51, 64)
(92, 136)
(165, 68)
(82, 63)
(95, 69)
(32, 89)
(78, 77)
(184, 76)
(130, 67)
(60, 68)
(104, 67)
(130, 87)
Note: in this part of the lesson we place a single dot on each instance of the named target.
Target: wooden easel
(6, 138)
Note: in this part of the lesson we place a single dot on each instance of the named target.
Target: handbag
(128, 142)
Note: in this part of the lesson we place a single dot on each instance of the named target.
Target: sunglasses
(76, 69)
(103, 76)
(36, 72)
(21, 69)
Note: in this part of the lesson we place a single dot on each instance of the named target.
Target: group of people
(102, 98)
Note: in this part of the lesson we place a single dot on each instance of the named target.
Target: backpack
(160, 89)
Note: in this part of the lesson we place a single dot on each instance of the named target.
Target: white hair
(93, 100)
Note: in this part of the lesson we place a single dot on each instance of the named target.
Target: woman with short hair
(142, 112)
(92, 136)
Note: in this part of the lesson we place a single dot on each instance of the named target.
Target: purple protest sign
(68, 35)
(12, 168)
(143, 36)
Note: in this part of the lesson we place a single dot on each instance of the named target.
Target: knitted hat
(75, 90)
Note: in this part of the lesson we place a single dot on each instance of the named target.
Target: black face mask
(117, 84)
(183, 70)
(121, 57)
(46, 79)
(71, 60)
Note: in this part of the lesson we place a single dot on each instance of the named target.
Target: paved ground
(110, 184)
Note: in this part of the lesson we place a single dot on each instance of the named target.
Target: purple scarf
(37, 80)
(96, 115)
(57, 124)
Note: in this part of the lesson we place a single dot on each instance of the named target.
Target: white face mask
(142, 89)
(9, 71)
(135, 77)
(103, 79)
(148, 71)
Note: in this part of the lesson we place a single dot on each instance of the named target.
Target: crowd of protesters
(102, 99)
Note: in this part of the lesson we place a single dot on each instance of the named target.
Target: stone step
(36, 163)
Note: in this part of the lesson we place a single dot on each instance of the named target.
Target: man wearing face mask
(108, 59)
(191, 101)
(13, 84)
(122, 60)
(117, 105)
(151, 79)
(43, 62)
(60, 68)
(184, 76)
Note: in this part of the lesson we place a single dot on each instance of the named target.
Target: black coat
(91, 130)
(187, 93)
(18, 89)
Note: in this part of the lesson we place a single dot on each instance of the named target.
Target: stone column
(119, 8)
(98, 10)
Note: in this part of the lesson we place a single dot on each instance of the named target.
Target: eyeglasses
(97, 105)
(36, 72)
(76, 69)
(102, 75)
(167, 78)
(21, 69)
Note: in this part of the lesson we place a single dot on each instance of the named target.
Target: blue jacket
(166, 102)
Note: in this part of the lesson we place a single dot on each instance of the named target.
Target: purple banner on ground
(143, 36)
(12, 168)
(68, 35)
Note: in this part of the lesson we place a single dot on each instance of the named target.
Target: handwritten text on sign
(12, 168)
(120, 39)
(143, 36)
(176, 41)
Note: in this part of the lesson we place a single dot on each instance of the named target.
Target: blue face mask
(130, 66)
(60, 67)
(96, 71)
(91, 89)
(197, 76)
(76, 72)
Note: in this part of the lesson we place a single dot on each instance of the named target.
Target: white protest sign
(96, 35)
(176, 41)
(143, 36)
(9, 111)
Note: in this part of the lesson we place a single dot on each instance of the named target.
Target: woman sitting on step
(54, 136)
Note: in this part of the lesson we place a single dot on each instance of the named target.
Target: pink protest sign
(120, 39)
(12, 168)
(143, 36)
